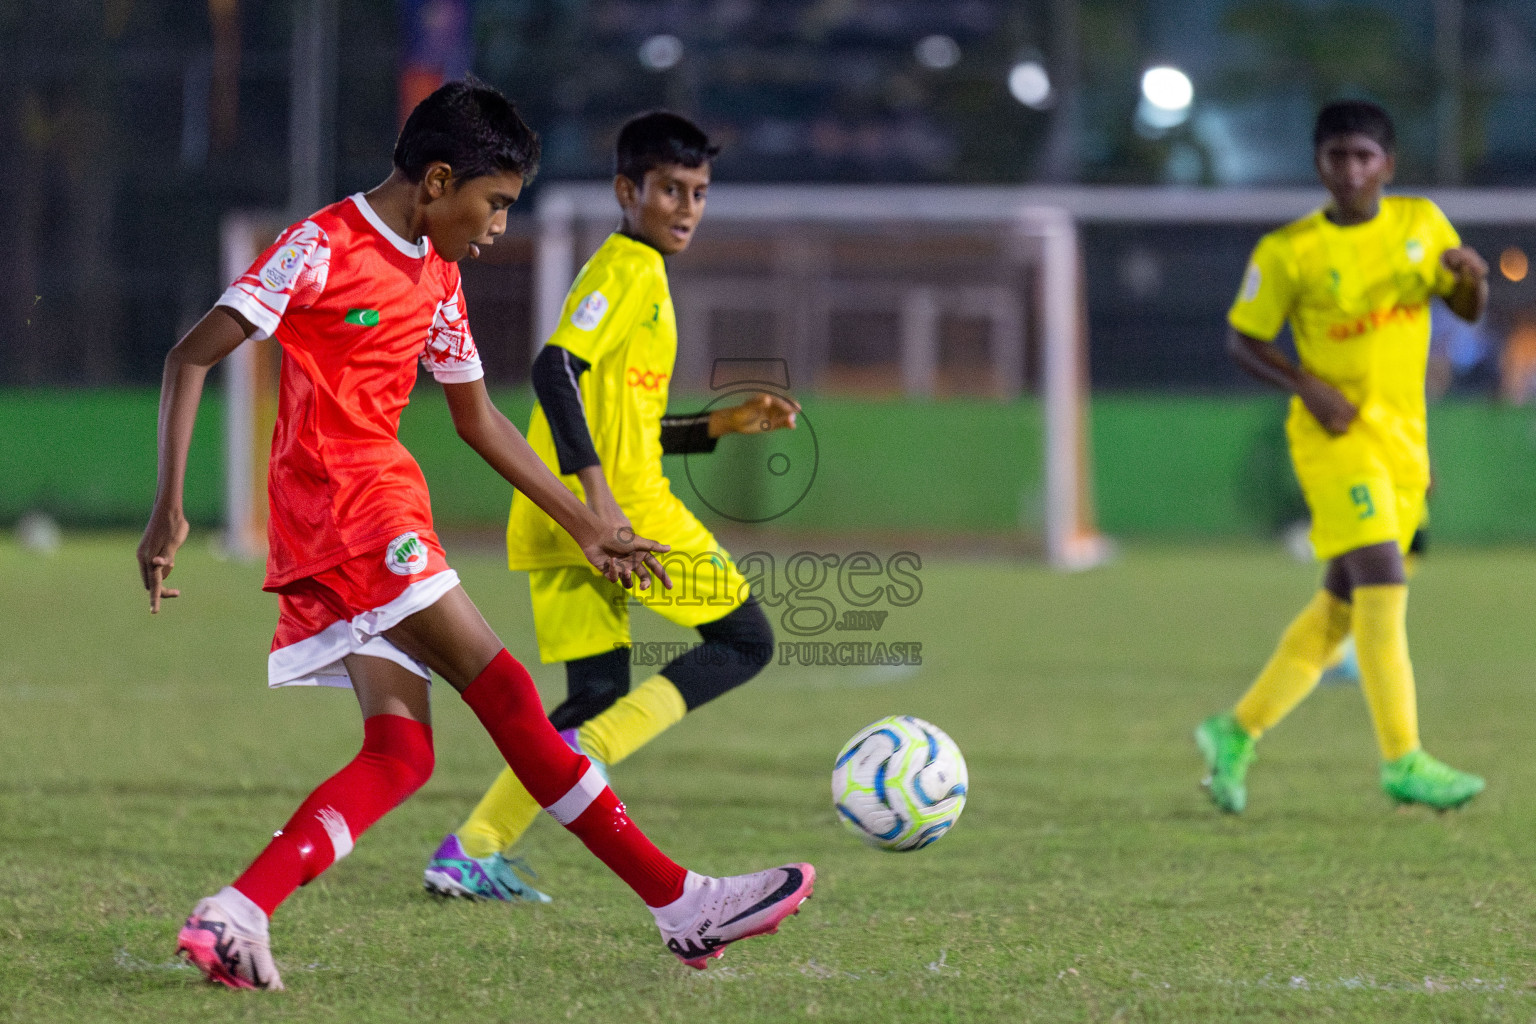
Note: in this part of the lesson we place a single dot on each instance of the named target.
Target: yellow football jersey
(1357, 299)
(618, 317)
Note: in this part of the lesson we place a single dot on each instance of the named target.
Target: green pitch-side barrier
(87, 458)
(1164, 466)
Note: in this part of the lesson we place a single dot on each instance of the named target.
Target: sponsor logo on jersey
(282, 268)
(1252, 281)
(363, 317)
(406, 555)
(1376, 318)
(589, 311)
(1415, 250)
(649, 380)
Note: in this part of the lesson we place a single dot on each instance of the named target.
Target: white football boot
(226, 939)
(712, 913)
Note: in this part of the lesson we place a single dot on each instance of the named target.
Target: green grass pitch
(142, 761)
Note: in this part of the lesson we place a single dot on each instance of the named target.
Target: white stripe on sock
(569, 807)
(336, 827)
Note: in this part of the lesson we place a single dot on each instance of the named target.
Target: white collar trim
(416, 251)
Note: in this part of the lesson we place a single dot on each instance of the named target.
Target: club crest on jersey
(282, 268)
(1415, 249)
(406, 555)
(589, 311)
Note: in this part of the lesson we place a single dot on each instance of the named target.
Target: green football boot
(1417, 778)
(1228, 751)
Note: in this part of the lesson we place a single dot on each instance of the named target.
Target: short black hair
(657, 138)
(471, 127)
(1354, 117)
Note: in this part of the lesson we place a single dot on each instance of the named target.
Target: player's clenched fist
(1327, 404)
(1465, 263)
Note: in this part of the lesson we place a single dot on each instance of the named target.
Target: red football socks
(395, 760)
(565, 783)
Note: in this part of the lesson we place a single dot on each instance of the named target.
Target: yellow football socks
(1298, 661)
(634, 720)
(507, 809)
(501, 817)
(1386, 674)
(1410, 569)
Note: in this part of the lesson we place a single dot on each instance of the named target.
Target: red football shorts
(346, 609)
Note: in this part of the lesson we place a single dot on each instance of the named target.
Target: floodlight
(937, 52)
(1167, 88)
(661, 53)
(1030, 84)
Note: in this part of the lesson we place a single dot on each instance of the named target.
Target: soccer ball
(899, 784)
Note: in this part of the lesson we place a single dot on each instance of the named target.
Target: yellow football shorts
(1356, 512)
(578, 613)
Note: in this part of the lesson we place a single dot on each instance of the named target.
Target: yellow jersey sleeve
(601, 308)
(1442, 236)
(1268, 293)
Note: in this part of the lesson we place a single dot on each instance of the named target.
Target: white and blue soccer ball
(900, 783)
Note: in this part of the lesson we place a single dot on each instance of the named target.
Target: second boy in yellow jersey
(617, 341)
(1354, 280)
(602, 381)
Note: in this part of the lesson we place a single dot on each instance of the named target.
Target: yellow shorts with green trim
(578, 613)
(1356, 512)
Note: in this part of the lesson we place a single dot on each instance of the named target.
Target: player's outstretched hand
(757, 415)
(1327, 404)
(1465, 263)
(627, 558)
(166, 532)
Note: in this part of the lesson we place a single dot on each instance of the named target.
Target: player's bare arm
(1324, 401)
(616, 551)
(757, 415)
(600, 499)
(1470, 296)
(216, 335)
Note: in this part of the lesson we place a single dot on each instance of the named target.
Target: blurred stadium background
(131, 130)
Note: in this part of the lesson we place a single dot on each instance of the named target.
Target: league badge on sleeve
(1252, 282)
(282, 268)
(406, 555)
(589, 312)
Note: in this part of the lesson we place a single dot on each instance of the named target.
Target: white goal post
(250, 397)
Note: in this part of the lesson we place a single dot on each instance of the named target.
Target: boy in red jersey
(356, 295)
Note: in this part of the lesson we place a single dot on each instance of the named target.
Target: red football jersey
(355, 308)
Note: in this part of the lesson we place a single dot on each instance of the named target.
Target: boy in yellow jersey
(1355, 280)
(602, 381)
